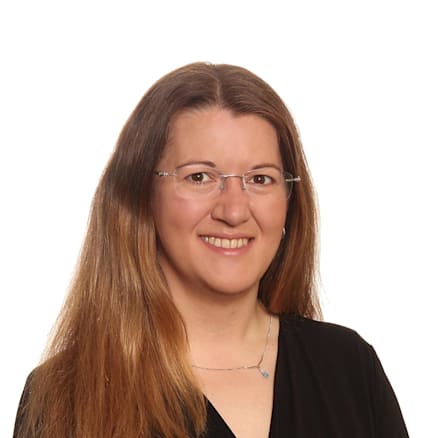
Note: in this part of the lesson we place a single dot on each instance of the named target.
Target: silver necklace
(258, 366)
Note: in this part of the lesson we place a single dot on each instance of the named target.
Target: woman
(194, 311)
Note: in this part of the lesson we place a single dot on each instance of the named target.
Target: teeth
(226, 243)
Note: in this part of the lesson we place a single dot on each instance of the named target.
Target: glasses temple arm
(294, 179)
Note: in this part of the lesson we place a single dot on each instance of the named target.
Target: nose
(232, 175)
(232, 204)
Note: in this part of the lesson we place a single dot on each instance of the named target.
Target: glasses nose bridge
(232, 175)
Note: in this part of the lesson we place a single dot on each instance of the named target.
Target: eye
(199, 178)
(261, 179)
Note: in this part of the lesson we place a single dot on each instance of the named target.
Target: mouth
(226, 243)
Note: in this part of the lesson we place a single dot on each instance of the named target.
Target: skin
(215, 289)
(234, 144)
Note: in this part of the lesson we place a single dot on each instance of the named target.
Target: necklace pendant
(264, 373)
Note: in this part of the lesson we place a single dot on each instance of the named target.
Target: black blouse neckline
(218, 427)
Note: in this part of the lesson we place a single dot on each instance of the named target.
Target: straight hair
(117, 364)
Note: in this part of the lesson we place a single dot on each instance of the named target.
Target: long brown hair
(117, 365)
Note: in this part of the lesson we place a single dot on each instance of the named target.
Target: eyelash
(190, 177)
(271, 180)
(194, 178)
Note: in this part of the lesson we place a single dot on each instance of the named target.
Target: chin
(233, 288)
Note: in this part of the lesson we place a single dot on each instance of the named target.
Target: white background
(360, 79)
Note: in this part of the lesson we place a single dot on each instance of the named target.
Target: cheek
(271, 215)
(173, 215)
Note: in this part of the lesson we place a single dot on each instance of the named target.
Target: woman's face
(221, 242)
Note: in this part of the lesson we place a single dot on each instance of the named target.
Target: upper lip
(226, 236)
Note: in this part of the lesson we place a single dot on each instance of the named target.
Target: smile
(225, 243)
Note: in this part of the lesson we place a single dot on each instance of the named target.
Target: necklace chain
(257, 366)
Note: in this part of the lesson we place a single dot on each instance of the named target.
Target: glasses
(198, 181)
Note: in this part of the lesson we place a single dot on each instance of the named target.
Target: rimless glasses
(199, 180)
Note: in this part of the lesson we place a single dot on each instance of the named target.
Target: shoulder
(318, 329)
(326, 341)
(337, 375)
(332, 361)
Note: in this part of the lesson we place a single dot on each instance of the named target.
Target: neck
(210, 317)
(226, 332)
(257, 366)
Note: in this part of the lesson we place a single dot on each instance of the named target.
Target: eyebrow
(260, 166)
(211, 164)
(188, 163)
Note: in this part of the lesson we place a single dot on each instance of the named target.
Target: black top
(328, 383)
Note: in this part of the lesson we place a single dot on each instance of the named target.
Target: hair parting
(117, 364)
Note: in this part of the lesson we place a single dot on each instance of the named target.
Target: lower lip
(229, 251)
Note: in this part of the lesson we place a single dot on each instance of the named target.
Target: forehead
(218, 135)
